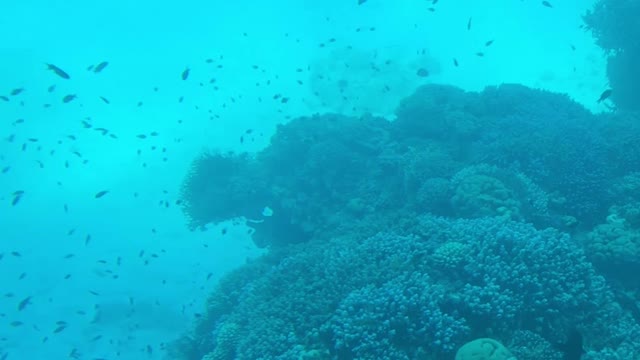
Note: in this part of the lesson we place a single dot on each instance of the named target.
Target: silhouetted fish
(58, 71)
(100, 194)
(100, 66)
(23, 304)
(605, 95)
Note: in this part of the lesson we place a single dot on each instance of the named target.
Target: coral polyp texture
(499, 214)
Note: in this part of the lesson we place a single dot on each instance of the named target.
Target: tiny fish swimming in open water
(100, 194)
(23, 304)
(100, 67)
(58, 71)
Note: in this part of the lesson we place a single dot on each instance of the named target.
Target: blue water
(142, 277)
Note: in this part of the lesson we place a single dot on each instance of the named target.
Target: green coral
(484, 349)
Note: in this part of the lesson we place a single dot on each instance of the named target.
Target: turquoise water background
(117, 311)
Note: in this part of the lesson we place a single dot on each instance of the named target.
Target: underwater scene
(333, 180)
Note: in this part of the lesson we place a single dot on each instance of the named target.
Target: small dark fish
(469, 24)
(455, 62)
(6, 169)
(360, 2)
(100, 67)
(15, 92)
(106, 101)
(23, 304)
(605, 95)
(51, 88)
(68, 98)
(58, 71)
(141, 136)
(422, 72)
(488, 43)
(547, 4)
(16, 200)
(59, 329)
(480, 54)
(4, 98)
(100, 194)
(16, 323)
(185, 74)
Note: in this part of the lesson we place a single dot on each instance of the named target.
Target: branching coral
(385, 297)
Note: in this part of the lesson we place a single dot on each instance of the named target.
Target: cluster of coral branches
(511, 213)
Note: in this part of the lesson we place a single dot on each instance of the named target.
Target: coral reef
(324, 172)
(382, 297)
(471, 215)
